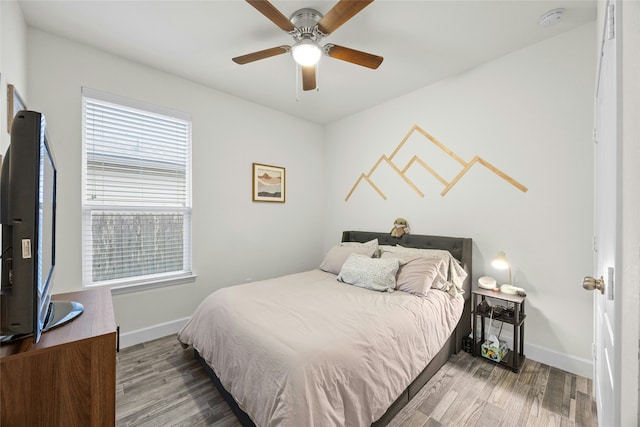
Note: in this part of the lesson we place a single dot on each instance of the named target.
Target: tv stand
(69, 376)
(62, 312)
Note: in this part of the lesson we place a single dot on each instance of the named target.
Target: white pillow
(337, 255)
(373, 243)
(371, 273)
(417, 252)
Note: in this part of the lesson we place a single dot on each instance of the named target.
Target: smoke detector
(551, 18)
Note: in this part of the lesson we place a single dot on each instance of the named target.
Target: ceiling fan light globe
(306, 53)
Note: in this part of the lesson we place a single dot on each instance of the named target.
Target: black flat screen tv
(28, 217)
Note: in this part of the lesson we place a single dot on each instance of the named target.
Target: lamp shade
(500, 261)
(306, 52)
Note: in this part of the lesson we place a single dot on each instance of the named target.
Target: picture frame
(14, 104)
(269, 183)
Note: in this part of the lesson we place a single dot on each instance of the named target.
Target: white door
(607, 135)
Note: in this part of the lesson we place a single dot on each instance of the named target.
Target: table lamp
(500, 262)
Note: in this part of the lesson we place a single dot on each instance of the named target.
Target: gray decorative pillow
(371, 273)
(337, 255)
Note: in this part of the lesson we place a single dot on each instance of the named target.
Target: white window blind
(136, 192)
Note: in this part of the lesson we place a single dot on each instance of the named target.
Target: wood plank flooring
(161, 384)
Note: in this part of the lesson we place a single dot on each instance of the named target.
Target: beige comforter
(307, 350)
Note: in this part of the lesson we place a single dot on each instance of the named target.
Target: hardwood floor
(161, 384)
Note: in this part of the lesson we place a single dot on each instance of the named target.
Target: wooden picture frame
(269, 183)
(14, 104)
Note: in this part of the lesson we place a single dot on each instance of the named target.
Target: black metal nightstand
(515, 357)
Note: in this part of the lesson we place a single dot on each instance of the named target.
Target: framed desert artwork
(269, 183)
(14, 104)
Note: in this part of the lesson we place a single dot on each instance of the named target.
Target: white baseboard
(151, 333)
(572, 364)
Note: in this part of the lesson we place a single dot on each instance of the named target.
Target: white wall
(234, 239)
(529, 114)
(13, 61)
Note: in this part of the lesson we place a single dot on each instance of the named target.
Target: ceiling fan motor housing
(306, 21)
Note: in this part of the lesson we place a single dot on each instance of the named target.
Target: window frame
(135, 283)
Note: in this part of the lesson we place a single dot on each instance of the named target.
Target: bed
(318, 348)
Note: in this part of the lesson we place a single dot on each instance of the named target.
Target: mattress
(308, 350)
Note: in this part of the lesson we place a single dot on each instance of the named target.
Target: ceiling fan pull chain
(298, 83)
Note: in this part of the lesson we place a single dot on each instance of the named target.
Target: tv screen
(46, 222)
(28, 217)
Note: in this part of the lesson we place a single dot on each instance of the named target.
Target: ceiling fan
(308, 27)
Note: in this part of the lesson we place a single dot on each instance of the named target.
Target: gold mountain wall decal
(415, 159)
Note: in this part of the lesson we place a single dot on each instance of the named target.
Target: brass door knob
(590, 283)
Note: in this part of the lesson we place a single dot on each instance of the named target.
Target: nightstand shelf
(502, 318)
(514, 359)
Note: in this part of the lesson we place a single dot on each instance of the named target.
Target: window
(136, 222)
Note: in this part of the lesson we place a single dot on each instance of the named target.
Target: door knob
(590, 283)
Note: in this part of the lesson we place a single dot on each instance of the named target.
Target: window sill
(120, 288)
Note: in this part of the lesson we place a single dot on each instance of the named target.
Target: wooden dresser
(69, 377)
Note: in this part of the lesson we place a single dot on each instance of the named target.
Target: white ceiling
(421, 42)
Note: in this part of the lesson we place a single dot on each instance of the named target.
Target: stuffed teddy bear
(400, 227)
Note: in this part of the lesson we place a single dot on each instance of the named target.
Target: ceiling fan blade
(270, 11)
(309, 77)
(341, 13)
(261, 54)
(354, 56)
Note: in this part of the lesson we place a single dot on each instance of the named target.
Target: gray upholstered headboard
(460, 248)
